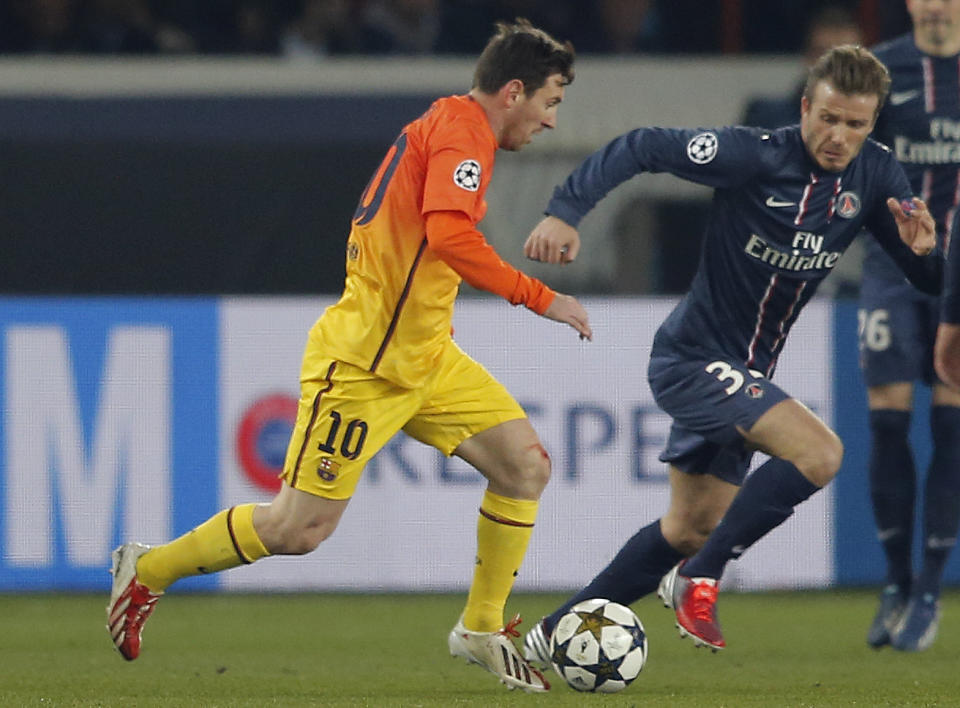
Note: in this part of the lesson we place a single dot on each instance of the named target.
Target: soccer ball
(598, 646)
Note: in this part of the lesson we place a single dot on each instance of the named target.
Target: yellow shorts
(346, 414)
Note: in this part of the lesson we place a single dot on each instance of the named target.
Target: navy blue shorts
(708, 397)
(896, 336)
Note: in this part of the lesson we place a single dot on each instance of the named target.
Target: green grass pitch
(784, 649)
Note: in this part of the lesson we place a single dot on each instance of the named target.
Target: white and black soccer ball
(598, 646)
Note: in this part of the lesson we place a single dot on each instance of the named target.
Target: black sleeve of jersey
(721, 157)
(925, 272)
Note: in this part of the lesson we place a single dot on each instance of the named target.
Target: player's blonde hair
(518, 50)
(851, 70)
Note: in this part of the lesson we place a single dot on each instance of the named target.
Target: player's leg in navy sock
(916, 630)
(633, 573)
(941, 507)
(892, 491)
(765, 501)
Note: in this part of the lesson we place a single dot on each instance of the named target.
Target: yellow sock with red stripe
(503, 533)
(226, 540)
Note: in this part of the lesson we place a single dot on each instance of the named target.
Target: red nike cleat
(694, 600)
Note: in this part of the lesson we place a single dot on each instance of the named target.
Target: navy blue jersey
(777, 226)
(920, 122)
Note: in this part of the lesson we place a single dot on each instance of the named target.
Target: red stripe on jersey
(805, 200)
(831, 208)
(752, 349)
(929, 96)
(781, 330)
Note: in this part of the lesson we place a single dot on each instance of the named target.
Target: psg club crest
(848, 205)
(702, 148)
(467, 175)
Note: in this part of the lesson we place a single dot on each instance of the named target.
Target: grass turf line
(784, 649)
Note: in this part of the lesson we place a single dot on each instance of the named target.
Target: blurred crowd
(314, 29)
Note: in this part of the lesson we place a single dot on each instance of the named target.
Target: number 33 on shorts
(724, 372)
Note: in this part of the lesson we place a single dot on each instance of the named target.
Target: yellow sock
(503, 533)
(226, 540)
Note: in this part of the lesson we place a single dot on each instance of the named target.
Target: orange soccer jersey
(412, 240)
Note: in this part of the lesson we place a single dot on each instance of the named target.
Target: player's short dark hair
(518, 50)
(851, 70)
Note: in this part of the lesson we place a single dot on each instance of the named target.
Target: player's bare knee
(699, 531)
(688, 541)
(537, 469)
(526, 476)
(821, 463)
(687, 535)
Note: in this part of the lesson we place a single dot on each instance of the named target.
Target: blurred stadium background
(177, 183)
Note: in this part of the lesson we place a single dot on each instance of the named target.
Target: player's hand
(566, 309)
(914, 223)
(552, 241)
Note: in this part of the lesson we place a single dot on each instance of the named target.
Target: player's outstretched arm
(552, 241)
(914, 223)
(566, 309)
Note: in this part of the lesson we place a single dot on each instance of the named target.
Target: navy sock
(941, 501)
(635, 571)
(764, 502)
(893, 491)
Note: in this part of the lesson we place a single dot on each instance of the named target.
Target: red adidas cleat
(131, 602)
(694, 600)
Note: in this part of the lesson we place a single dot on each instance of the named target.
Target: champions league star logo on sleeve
(467, 175)
(702, 148)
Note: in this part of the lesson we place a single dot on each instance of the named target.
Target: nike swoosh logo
(774, 202)
(936, 542)
(887, 534)
(898, 98)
